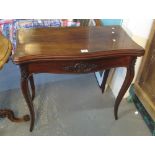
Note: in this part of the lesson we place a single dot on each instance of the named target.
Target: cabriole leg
(125, 86)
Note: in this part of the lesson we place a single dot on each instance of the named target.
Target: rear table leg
(106, 73)
(32, 86)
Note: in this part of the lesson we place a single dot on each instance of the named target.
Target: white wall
(139, 30)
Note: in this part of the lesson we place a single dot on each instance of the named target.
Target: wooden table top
(69, 43)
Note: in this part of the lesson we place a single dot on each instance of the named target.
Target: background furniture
(5, 51)
(144, 86)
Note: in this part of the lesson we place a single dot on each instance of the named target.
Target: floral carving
(80, 67)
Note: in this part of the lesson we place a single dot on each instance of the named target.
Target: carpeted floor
(74, 107)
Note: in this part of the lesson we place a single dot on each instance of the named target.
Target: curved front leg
(125, 86)
(32, 86)
(27, 95)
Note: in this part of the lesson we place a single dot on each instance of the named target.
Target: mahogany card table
(74, 50)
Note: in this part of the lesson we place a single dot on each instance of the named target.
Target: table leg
(27, 95)
(125, 86)
(10, 115)
(32, 86)
(106, 73)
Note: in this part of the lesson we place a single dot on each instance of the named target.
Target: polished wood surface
(106, 73)
(67, 43)
(5, 52)
(58, 50)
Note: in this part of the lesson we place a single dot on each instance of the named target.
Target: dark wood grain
(58, 50)
(66, 44)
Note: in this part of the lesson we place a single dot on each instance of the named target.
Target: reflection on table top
(61, 43)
